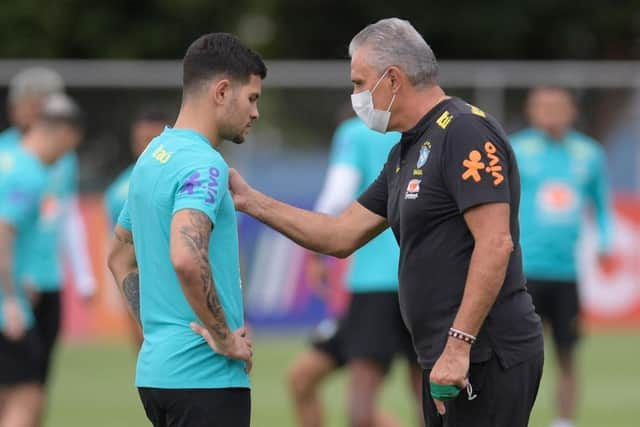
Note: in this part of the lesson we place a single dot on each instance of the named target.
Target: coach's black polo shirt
(455, 158)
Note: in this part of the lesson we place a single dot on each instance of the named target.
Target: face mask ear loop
(379, 80)
(391, 103)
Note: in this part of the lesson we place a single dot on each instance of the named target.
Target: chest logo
(422, 158)
(413, 188)
(474, 164)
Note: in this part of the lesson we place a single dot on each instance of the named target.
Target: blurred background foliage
(319, 29)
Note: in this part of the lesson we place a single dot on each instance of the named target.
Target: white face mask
(362, 103)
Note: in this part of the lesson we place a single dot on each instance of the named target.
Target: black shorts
(371, 329)
(47, 327)
(224, 407)
(19, 360)
(503, 397)
(558, 303)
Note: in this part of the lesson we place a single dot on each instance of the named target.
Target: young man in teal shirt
(182, 282)
(23, 183)
(563, 174)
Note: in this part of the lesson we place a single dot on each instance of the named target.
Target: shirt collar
(187, 133)
(412, 134)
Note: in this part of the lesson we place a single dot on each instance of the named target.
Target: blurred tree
(314, 29)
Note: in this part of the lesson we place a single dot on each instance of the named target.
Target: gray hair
(37, 81)
(394, 41)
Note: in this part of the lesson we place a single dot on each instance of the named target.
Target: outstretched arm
(338, 236)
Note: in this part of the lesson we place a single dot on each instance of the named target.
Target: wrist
(457, 346)
(223, 344)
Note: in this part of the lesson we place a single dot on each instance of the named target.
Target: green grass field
(92, 386)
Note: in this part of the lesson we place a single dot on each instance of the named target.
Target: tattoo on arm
(127, 240)
(195, 234)
(131, 290)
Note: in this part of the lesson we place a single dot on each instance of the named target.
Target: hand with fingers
(240, 190)
(238, 345)
(449, 374)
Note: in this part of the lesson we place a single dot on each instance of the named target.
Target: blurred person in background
(59, 228)
(148, 124)
(563, 174)
(24, 180)
(372, 332)
(175, 254)
(450, 192)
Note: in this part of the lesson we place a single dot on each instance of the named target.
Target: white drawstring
(470, 394)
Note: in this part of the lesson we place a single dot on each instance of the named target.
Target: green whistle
(444, 392)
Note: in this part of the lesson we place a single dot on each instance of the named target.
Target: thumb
(440, 406)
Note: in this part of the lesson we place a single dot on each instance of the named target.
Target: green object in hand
(444, 392)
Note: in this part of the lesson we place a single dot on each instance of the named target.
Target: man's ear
(396, 77)
(220, 91)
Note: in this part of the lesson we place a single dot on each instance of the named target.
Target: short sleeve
(375, 196)
(124, 219)
(476, 163)
(20, 199)
(202, 187)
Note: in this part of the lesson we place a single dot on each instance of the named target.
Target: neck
(37, 143)
(417, 103)
(192, 116)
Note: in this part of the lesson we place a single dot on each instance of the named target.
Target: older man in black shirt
(450, 191)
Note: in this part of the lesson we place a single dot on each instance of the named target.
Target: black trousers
(503, 397)
(225, 407)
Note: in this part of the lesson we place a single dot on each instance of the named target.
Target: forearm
(200, 291)
(6, 260)
(123, 266)
(190, 258)
(312, 230)
(487, 270)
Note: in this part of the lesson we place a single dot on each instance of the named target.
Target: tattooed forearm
(131, 290)
(195, 233)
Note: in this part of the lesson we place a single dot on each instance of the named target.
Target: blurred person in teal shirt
(371, 332)
(563, 175)
(148, 124)
(24, 179)
(59, 228)
(175, 252)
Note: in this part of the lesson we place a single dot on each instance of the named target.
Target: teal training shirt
(559, 180)
(45, 268)
(180, 170)
(116, 194)
(374, 267)
(45, 271)
(10, 138)
(22, 182)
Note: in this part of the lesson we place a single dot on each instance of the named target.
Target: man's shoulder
(583, 146)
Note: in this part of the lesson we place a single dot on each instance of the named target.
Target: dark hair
(151, 114)
(219, 53)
